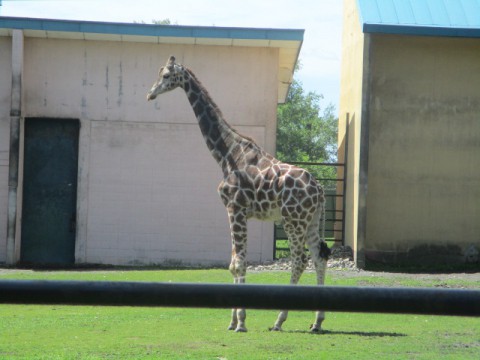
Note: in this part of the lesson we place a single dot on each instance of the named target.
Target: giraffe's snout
(151, 96)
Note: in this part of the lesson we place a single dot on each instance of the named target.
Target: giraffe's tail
(321, 211)
(324, 250)
(322, 233)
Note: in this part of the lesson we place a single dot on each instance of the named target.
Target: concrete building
(410, 94)
(92, 173)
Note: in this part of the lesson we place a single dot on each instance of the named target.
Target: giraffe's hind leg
(238, 268)
(296, 236)
(319, 252)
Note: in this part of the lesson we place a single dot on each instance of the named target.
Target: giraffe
(255, 185)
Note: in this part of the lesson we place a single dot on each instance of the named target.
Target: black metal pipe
(329, 298)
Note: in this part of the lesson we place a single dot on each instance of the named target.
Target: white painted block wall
(147, 189)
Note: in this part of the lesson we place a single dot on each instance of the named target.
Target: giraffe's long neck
(220, 137)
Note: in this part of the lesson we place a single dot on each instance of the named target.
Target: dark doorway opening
(49, 191)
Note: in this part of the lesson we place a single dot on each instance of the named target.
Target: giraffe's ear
(160, 71)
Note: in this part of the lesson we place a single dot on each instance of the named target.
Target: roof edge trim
(421, 30)
(151, 29)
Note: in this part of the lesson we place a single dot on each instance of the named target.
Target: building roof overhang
(288, 41)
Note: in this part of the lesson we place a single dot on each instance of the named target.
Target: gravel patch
(340, 259)
(341, 265)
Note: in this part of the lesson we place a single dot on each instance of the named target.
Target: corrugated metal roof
(288, 41)
(421, 17)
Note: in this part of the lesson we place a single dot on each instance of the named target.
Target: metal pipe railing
(328, 298)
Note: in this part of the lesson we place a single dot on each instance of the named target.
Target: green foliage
(306, 132)
(166, 21)
(163, 22)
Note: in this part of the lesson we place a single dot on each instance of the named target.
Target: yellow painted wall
(351, 107)
(418, 99)
(424, 147)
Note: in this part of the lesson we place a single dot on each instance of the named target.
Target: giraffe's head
(170, 77)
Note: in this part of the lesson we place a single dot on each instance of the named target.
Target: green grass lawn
(86, 332)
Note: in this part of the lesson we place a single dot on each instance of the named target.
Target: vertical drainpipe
(15, 115)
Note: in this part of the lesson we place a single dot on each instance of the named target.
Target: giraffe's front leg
(234, 321)
(238, 267)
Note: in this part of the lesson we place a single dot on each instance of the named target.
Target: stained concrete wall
(412, 105)
(147, 183)
(5, 91)
(424, 148)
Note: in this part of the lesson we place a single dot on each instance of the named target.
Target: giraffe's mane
(205, 92)
(215, 106)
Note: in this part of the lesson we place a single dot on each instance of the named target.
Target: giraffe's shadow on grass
(348, 333)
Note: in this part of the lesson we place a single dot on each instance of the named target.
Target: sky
(320, 55)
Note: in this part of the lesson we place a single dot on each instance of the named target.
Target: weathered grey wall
(424, 149)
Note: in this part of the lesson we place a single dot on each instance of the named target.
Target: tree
(306, 132)
(166, 21)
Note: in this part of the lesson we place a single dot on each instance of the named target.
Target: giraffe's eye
(166, 76)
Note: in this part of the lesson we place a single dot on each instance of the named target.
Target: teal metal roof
(421, 17)
(148, 30)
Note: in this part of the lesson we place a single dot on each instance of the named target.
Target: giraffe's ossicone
(255, 185)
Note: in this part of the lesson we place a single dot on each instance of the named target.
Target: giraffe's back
(267, 188)
(284, 191)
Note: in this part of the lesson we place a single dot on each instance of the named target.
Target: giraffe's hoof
(241, 329)
(315, 330)
(275, 328)
(232, 327)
